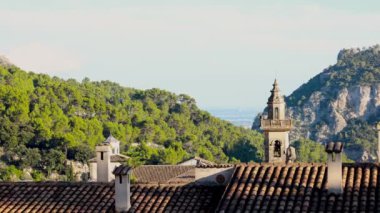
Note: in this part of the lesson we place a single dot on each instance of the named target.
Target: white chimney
(122, 188)
(334, 167)
(103, 163)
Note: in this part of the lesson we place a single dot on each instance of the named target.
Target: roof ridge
(52, 183)
(166, 165)
(216, 166)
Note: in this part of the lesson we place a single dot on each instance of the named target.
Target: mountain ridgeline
(46, 120)
(342, 103)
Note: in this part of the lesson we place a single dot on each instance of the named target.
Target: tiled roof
(199, 162)
(164, 174)
(114, 158)
(58, 196)
(298, 187)
(110, 140)
(301, 188)
(216, 166)
(98, 197)
(175, 198)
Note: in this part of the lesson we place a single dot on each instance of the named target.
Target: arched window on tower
(277, 149)
(276, 115)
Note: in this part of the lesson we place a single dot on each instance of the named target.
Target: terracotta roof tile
(252, 188)
(164, 174)
(216, 166)
(99, 197)
(300, 188)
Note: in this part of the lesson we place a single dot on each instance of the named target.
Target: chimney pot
(338, 147)
(330, 147)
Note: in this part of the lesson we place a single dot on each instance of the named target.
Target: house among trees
(107, 158)
(277, 185)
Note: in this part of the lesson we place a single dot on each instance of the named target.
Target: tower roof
(275, 97)
(111, 140)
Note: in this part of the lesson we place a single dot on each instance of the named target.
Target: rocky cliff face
(321, 118)
(341, 103)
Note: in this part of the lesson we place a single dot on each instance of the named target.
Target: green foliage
(248, 149)
(37, 175)
(173, 154)
(80, 153)
(46, 120)
(309, 151)
(69, 173)
(10, 173)
(358, 136)
(53, 160)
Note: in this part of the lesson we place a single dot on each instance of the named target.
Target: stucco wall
(209, 175)
(191, 162)
(93, 170)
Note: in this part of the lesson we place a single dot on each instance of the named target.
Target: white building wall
(103, 160)
(191, 162)
(122, 193)
(93, 175)
(93, 170)
(334, 173)
(210, 175)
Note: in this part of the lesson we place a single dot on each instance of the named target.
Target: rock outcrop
(321, 118)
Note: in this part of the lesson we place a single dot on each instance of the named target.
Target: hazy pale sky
(223, 53)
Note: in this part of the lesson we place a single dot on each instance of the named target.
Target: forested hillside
(46, 120)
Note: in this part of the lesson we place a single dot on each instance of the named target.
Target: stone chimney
(122, 188)
(103, 162)
(334, 167)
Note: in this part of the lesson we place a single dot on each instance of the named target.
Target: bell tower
(276, 128)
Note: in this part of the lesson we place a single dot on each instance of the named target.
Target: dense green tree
(309, 151)
(46, 120)
(10, 173)
(358, 136)
(53, 160)
(246, 151)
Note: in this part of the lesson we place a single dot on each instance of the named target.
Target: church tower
(276, 128)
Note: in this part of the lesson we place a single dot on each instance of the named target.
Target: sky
(225, 54)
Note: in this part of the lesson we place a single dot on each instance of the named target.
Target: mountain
(341, 103)
(45, 121)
